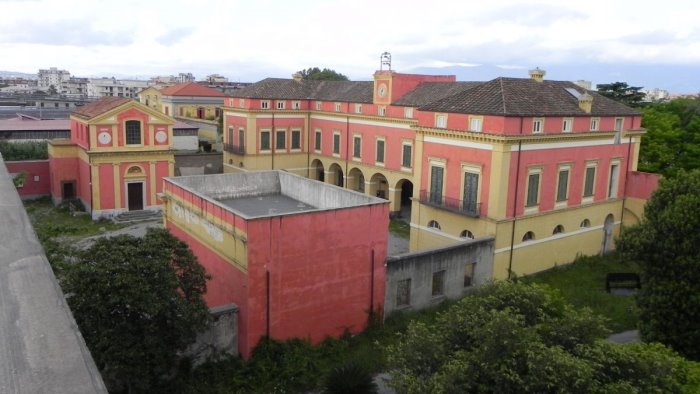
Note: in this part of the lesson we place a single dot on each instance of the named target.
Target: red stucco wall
(37, 181)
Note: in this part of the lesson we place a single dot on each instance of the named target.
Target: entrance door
(135, 196)
(68, 190)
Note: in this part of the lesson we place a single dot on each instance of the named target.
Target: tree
(52, 91)
(519, 338)
(316, 74)
(138, 302)
(620, 91)
(667, 246)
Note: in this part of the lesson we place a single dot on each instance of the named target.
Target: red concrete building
(299, 258)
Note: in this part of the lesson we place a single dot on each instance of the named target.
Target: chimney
(537, 74)
(296, 77)
(585, 102)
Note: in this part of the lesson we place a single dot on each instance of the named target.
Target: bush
(17, 151)
(350, 378)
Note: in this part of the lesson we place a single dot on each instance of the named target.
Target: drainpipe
(308, 141)
(515, 203)
(371, 288)
(347, 147)
(272, 141)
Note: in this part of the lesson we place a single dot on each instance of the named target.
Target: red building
(299, 258)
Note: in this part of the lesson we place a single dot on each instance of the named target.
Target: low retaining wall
(421, 279)
(219, 339)
(37, 181)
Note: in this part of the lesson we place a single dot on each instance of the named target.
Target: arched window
(466, 234)
(434, 224)
(585, 223)
(529, 236)
(133, 132)
(558, 230)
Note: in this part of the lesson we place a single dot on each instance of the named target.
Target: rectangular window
(438, 283)
(563, 185)
(358, 108)
(241, 139)
(380, 151)
(614, 178)
(133, 132)
(589, 182)
(317, 141)
(618, 124)
(296, 105)
(281, 140)
(241, 103)
(441, 121)
(230, 135)
(319, 106)
(403, 292)
(567, 125)
(469, 274)
(408, 113)
(337, 107)
(436, 174)
(265, 140)
(336, 143)
(265, 104)
(280, 105)
(356, 146)
(296, 139)
(382, 111)
(471, 192)
(537, 125)
(533, 189)
(595, 124)
(475, 124)
(406, 158)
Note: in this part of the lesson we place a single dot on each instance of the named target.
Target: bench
(622, 280)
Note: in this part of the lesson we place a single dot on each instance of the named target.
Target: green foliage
(672, 141)
(138, 302)
(350, 378)
(400, 228)
(51, 221)
(315, 73)
(523, 338)
(667, 245)
(17, 151)
(52, 91)
(19, 179)
(620, 91)
(582, 283)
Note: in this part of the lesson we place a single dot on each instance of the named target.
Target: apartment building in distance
(547, 168)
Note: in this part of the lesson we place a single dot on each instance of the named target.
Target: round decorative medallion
(382, 90)
(104, 138)
(161, 136)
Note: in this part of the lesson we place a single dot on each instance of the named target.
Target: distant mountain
(674, 78)
(16, 74)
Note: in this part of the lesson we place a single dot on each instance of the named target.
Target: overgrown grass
(400, 228)
(582, 283)
(51, 221)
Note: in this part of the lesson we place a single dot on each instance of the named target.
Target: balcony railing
(450, 204)
(230, 148)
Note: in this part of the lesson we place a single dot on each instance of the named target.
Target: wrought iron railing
(450, 204)
(230, 148)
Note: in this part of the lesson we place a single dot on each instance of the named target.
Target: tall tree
(667, 245)
(620, 91)
(516, 338)
(315, 73)
(138, 302)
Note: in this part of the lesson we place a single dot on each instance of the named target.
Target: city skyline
(654, 47)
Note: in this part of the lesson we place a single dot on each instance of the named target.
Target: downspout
(371, 288)
(308, 141)
(347, 146)
(515, 203)
(272, 141)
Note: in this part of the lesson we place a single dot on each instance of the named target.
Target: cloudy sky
(654, 44)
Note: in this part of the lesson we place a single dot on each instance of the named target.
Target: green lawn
(51, 221)
(582, 283)
(400, 228)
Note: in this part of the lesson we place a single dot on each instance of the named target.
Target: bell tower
(382, 80)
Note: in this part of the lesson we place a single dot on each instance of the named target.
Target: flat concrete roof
(41, 348)
(271, 193)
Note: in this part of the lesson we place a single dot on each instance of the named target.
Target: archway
(337, 177)
(317, 171)
(356, 180)
(378, 186)
(404, 189)
(608, 227)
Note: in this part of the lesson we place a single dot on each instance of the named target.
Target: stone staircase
(137, 216)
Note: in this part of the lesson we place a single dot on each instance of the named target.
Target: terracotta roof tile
(99, 106)
(190, 89)
(289, 89)
(526, 97)
(428, 92)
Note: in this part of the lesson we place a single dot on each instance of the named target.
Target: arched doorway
(608, 227)
(356, 180)
(378, 186)
(201, 112)
(317, 171)
(404, 203)
(338, 178)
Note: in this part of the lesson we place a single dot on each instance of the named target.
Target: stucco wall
(37, 181)
(420, 266)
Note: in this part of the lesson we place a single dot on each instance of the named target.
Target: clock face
(104, 138)
(161, 136)
(382, 90)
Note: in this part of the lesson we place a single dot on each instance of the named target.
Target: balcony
(230, 148)
(450, 204)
